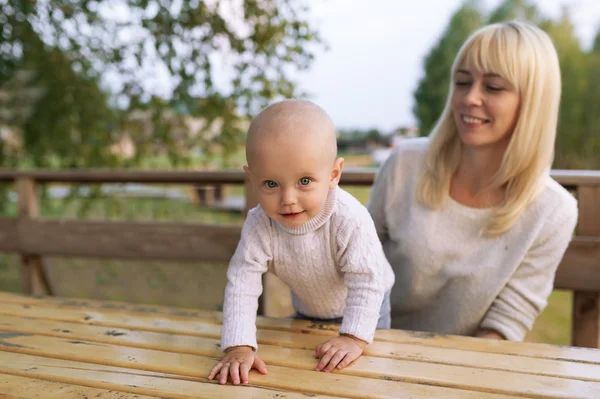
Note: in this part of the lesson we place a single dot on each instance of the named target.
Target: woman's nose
(473, 96)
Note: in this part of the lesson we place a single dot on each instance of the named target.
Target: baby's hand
(338, 352)
(237, 362)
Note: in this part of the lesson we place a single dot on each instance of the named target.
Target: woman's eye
(462, 83)
(305, 181)
(270, 184)
(494, 88)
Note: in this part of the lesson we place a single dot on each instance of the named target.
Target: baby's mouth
(291, 215)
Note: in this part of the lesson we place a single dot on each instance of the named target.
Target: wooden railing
(34, 237)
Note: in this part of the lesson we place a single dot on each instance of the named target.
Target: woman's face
(485, 107)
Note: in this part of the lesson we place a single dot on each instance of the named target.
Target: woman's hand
(237, 362)
(338, 352)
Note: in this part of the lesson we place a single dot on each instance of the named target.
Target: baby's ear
(247, 170)
(336, 172)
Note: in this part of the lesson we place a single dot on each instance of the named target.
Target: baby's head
(292, 160)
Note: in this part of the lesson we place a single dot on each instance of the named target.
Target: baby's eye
(305, 181)
(270, 184)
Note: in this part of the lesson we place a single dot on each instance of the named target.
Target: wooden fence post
(586, 305)
(33, 277)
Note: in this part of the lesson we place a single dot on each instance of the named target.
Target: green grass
(553, 326)
(9, 273)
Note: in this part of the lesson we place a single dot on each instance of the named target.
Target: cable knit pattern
(452, 280)
(334, 264)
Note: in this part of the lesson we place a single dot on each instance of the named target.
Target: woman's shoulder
(408, 153)
(556, 202)
(414, 146)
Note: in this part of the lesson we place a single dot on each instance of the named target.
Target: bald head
(293, 124)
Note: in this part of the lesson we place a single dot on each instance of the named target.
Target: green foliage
(515, 9)
(66, 118)
(573, 135)
(221, 64)
(591, 102)
(432, 91)
(578, 139)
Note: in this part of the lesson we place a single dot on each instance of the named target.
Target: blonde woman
(470, 220)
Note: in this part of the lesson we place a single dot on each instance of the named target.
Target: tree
(219, 62)
(572, 135)
(515, 9)
(591, 104)
(432, 91)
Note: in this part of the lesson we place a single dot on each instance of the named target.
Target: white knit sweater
(450, 279)
(333, 263)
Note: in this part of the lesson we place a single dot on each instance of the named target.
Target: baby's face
(292, 179)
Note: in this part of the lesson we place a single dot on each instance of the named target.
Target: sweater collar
(318, 220)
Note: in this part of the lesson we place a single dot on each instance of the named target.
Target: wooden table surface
(61, 348)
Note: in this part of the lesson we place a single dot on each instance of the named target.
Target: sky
(376, 50)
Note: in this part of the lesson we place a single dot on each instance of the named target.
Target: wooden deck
(71, 348)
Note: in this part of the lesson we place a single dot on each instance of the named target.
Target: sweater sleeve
(515, 309)
(361, 260)
(244, 285)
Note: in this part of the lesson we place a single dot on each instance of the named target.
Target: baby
(313, 235)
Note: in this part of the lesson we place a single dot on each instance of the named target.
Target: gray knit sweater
(450, 279)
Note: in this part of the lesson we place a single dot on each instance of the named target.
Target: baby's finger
(326, 358)
(349, 358)
(323, 348)
(235, 372)
(317, 349)
(224, 374)
(260, 365)
(215, 370)
(335, 360)
(244, 369)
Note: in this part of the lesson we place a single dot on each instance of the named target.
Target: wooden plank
(284, 378)
(132, 381)
(32, 388)
(9, 241)
(580, 267)
(97, 312)
(448, 356)
(180, 241)
(354, 176)
(33, 277)
(125, 176)
(128, 240)
(585, 329)
(576, 177)
(365, 366)
(8, 396)
(586, 305)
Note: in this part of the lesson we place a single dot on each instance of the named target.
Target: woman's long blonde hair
(525, 56)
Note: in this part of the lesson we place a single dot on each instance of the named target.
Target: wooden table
(69, 348)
